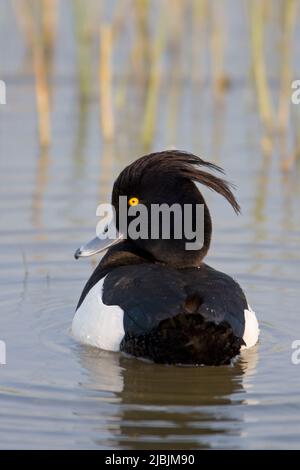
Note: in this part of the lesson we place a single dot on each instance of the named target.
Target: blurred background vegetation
(148, 48)
(153, 74)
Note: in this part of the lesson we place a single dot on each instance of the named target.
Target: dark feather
(180, 165)
(193, 316)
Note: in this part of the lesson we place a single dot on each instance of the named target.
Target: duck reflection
(167, 407)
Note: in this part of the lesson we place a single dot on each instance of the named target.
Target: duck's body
(165, 312)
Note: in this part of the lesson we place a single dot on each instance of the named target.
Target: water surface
(55, 393)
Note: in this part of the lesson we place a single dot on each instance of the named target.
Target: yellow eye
(133, 201)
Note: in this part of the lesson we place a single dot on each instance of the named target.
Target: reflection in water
(260, 200)
(166, 406)
(40, 188)
(106, 172)
(290, 200)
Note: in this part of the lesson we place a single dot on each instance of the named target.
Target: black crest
(177, 164)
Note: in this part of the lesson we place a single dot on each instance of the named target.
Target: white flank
(251, 332)
(97, 324)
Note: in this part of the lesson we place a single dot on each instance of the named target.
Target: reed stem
(258, 63)
(154, 83)
(105, 83)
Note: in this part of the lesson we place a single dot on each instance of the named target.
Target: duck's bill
(97, 245)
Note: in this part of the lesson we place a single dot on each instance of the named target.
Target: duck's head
(165, 178)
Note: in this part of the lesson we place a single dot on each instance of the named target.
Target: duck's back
(194, 315)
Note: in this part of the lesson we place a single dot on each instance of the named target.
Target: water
(55, 393)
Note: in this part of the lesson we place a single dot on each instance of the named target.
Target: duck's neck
(127, 253)
(177, 253)
(207, 233)
(184, 252)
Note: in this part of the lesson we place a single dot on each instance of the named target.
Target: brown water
(55, 393)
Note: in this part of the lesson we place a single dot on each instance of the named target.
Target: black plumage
(176, 308)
